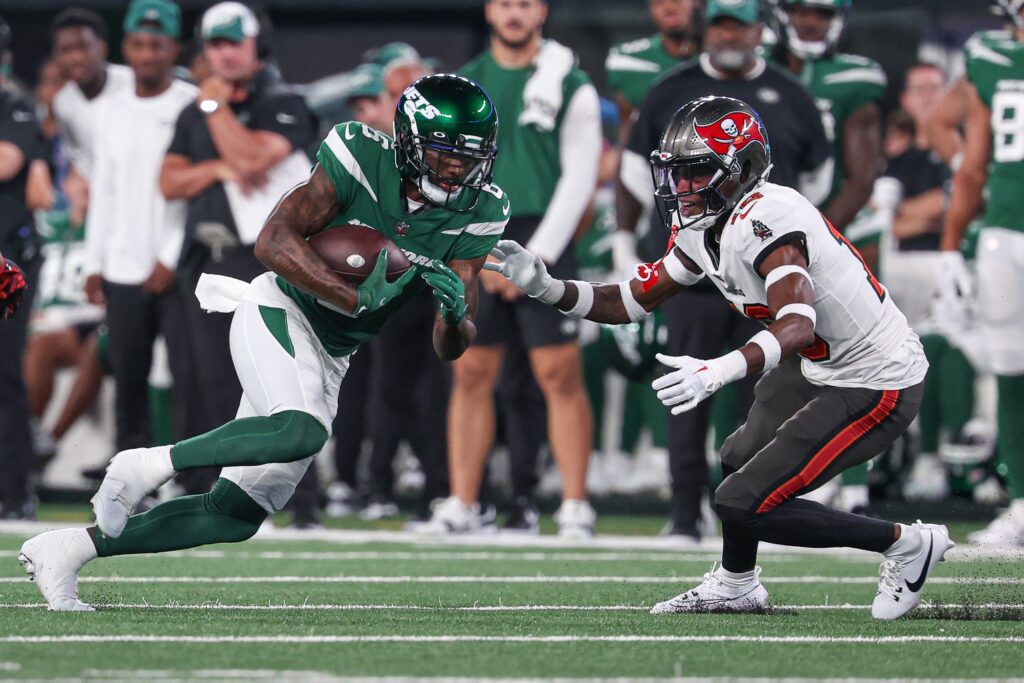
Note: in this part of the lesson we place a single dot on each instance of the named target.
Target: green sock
(224, 515)
(957, 391)
(930, 415)
(161, 415)
(1010, 442)
(283, 437)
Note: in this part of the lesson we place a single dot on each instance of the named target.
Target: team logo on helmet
(736, 129)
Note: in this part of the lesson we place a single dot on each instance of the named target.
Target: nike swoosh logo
(505, 209)
(347, 136)
(286, 119)
(915, 586)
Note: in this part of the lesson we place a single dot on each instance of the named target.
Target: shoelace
(889, 584)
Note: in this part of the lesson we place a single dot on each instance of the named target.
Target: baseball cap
(367, 81)
(746, 11)
(159, 17)
(231, 21)
(392, 52)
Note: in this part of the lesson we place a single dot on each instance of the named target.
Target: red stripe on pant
(832, 450)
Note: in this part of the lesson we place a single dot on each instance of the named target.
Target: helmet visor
(453, 167)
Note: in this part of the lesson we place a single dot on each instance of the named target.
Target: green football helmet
(1011, 10)
(446, 130)
(787, 35)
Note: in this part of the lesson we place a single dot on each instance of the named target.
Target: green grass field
(287, 609)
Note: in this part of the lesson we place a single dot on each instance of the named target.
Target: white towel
(542, 96)
(219, 293)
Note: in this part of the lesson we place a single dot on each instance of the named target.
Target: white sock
(157, 461)
(1016, 510)
(736, 579)
(909, 543)
(80, 547)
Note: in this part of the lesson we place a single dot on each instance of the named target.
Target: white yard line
(468, 608)
(538, 579)
(337, 639)
(606, 542)
(322, 677)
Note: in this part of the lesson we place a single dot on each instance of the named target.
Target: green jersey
(633, 67)
(360, 162)
(528, 164)
(841, 84)
(995, 66)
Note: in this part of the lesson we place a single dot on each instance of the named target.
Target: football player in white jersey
(843, 371)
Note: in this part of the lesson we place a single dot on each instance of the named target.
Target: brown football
(351, 251)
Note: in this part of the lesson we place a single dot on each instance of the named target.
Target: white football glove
(526, 271)
(952, 309)
(694, 379)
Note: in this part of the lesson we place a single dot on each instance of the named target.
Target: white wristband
(798, 309)
(782, 271)
(633, 308)
(732, 365)
(584, 299)
(553, 294)
(769, 344)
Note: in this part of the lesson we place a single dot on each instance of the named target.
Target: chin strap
(647, 273)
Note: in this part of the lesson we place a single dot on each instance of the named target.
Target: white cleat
(452, 516)
(575, 520)
(902, 578)
(1006, 530)
(130, 476)
(53, 560)
(714, 595)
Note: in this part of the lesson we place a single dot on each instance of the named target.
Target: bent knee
(733, 499)
(226, 498)
(303, 434)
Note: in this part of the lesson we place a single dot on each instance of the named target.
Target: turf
(290, 608)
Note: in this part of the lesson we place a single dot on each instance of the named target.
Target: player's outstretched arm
(617, 304)
(791, 300)
(281, 246)
(456, 290)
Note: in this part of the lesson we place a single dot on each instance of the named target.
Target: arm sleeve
(174, 221)
(579, 152)
(100, 212)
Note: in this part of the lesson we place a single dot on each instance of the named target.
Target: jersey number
(817, 352)
(1008, 127)
(841, 238)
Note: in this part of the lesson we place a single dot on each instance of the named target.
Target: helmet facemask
(804, 49)
(442, 170)
(674, 188)
(1011, 9)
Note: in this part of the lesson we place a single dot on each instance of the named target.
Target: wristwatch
(208, 106)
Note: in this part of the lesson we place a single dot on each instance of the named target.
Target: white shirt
(863, 339)
(130, 225)
(76, 115)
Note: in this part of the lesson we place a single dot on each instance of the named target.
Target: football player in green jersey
(634, 66)
(294, 328)
(846, 89)
(993, 161)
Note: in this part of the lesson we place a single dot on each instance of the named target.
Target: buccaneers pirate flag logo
(737, 129)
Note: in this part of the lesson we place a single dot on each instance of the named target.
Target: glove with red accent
(12, 288)
(693, 379)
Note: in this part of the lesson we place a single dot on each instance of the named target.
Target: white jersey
(130, 225)
(862, 338)
(76, 115)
